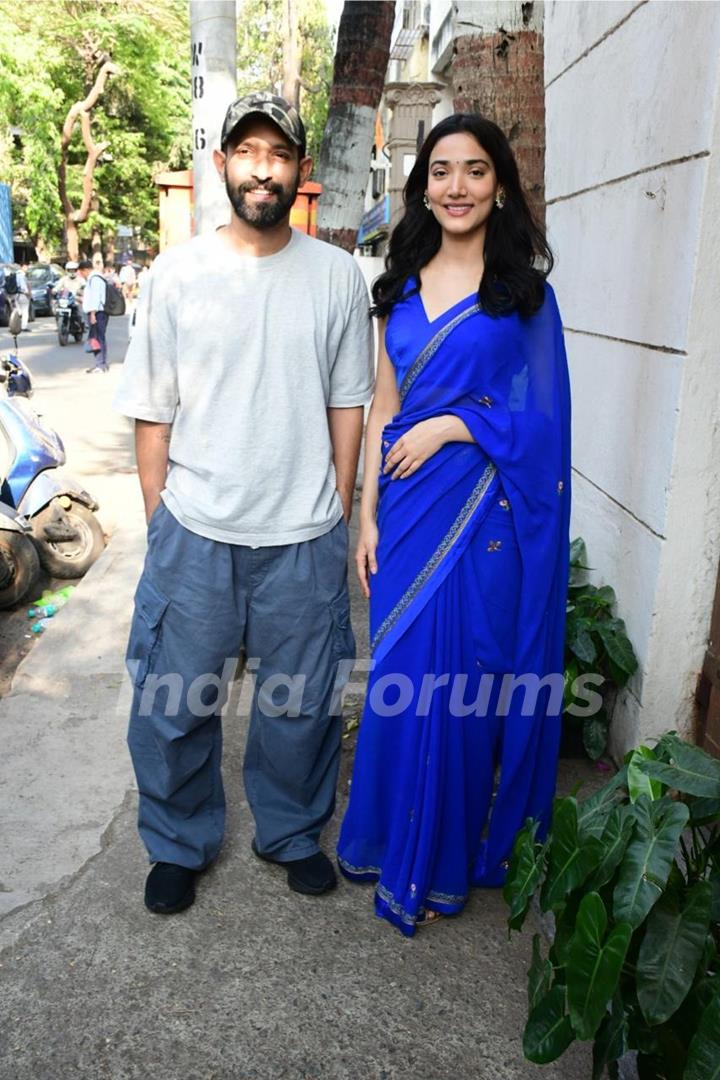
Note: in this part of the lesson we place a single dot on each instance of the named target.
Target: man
(23, 296)
(94, 307)
(247, 375)
(127, 279)
(70, 282)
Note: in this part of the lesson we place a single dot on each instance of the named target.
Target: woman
(463, 547)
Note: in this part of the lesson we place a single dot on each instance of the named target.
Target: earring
(426, 201)
(500, 198)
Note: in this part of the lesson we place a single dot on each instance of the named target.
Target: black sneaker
(169, 888)
(312, 876)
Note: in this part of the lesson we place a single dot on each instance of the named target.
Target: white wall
(633, 195)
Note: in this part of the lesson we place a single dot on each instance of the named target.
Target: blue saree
(470, 591)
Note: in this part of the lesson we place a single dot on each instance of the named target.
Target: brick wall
(501, 76)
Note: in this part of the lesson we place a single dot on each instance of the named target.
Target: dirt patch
(16, 640)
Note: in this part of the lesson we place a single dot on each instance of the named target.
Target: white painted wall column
(633, 213)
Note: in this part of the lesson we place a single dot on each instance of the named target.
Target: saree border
(388, 897)
(431, 348)
(477, 495)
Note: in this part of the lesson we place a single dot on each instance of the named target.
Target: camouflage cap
(277, 109)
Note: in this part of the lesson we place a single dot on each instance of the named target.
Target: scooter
(68, 318)
(19, 562)
(66, 532)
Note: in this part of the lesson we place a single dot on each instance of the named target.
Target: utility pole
(213, 41)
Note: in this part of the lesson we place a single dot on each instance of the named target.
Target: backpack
(114, 299)
(114, 303)
(10, 284)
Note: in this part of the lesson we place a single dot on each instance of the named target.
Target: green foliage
(595, 643)
(48, 61)
(260, 58)
(632, 877)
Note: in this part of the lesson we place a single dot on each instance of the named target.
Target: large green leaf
(523, 876)
(564, 918)
(548, 1031)
(703, 1061)
(646, 864)
(639, 783)
(714, 883)
(571, 858)
(618, 647)
(595, 732)
(594, 965)
(704, 811)
(594, 811)
(539, 975)
(690, 770)
(580, 642)
(670, 952)
(578, 552)
(615, 839)
(611, 1038)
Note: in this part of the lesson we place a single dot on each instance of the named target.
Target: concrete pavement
(253, 982)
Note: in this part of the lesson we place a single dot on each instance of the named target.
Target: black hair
(85, 264)
(514, 241)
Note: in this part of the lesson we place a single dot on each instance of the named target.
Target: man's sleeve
(148, 389)
(352, 375)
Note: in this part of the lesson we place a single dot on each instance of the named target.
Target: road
(97, 442)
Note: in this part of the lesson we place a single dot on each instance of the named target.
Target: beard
(262, 215)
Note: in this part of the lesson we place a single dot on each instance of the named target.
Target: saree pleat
(471, 587)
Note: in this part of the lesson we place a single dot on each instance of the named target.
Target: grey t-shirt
(243, 356)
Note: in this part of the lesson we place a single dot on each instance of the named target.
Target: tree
(81, 110)
(291, 53)
(50, 60)
(284, 44)
(361, 60)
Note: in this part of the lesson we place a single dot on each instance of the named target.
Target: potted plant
(631, 876)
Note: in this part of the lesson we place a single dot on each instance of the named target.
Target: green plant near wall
(632, 878)
(595, 642)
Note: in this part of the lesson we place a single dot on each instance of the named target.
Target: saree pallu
(470, 590)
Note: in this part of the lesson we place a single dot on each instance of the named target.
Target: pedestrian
(246, 376)
(23, 296)
(93, 301)
(463, 547)
(127, 279)
(142, 276)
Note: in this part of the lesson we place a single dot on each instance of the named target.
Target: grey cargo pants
(197, 603)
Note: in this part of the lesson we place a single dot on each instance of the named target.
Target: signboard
(6, 236)
(375, 221)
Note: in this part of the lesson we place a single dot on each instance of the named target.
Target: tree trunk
(361, 60)
(97, 252)
(291, 53)
(81, 110)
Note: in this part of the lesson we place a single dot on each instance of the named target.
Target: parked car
(42, 278)
(7, 302)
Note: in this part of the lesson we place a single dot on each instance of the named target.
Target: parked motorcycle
(66, 532)
(68, 317)
(19, 562)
